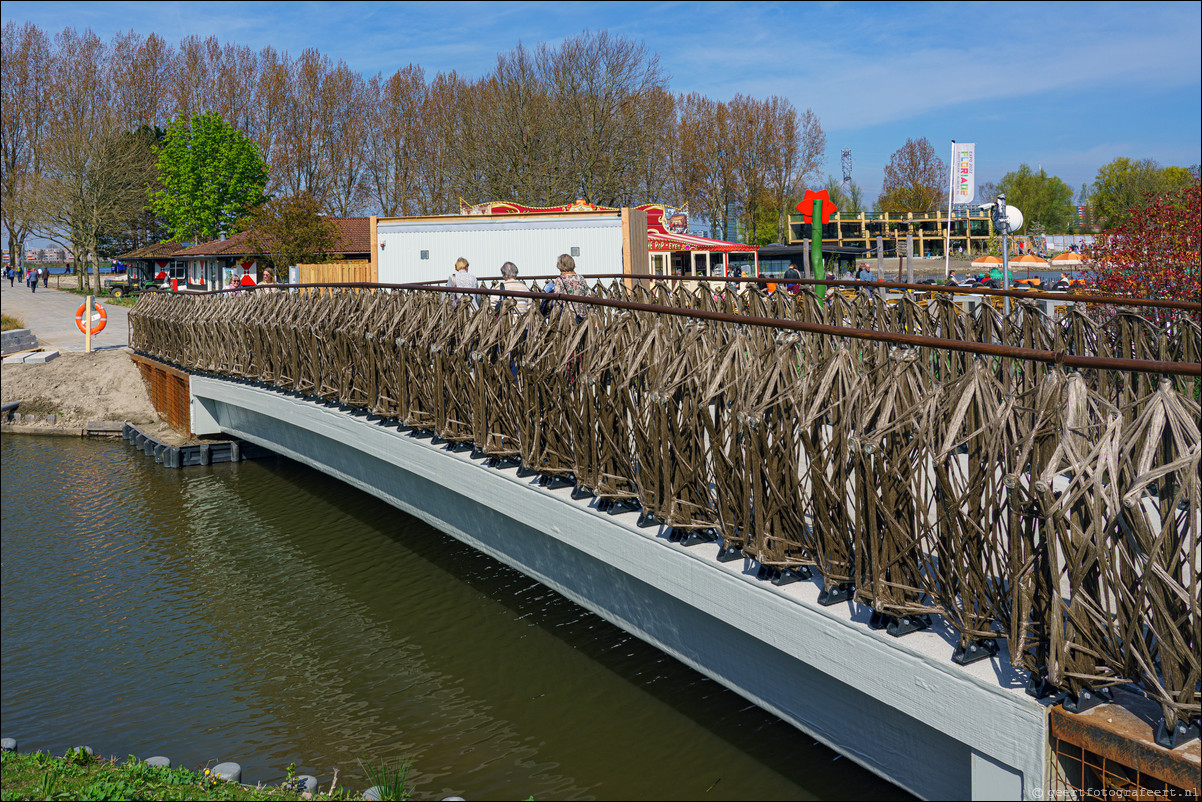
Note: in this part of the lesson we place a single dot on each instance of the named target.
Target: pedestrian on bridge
(568, 283)
(510, 281)
(462, 279)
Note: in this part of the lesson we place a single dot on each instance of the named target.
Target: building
(972, 231)
(424, 249)
(155, 263)
(671, 250)
(212, 265)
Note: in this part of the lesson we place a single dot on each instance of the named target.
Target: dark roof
(353, 238)
(158, 250)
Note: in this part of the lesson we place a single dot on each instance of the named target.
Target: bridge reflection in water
(981, 497)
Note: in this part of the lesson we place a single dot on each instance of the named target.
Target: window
(197, 273)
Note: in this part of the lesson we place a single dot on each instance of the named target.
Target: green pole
(816, 247)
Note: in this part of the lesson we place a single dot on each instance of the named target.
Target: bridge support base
(836, 594)
(974, 651)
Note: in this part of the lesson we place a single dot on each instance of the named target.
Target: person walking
(46, 277)
(567, 283)
(32, 279)
(462, 279)
(510, 281)
(791, 277)
(12, 275)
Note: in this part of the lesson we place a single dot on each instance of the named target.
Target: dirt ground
(80, 387)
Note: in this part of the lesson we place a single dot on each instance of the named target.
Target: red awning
(688, 242)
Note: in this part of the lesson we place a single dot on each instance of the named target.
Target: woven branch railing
(1055, 509)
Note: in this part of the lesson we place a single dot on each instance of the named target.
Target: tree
(1123, 184)
(93, 176)
(915, 179)
(292, 231)
(1043, 199)
(212, 176)
(143, 227)
(1155, 252)
(23, 111)
(849, 201)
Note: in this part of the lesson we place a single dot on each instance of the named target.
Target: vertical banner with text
(964, 172)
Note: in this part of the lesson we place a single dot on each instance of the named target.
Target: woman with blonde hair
(462, 279)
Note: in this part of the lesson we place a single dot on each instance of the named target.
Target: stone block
(41, 357)
(15, 359)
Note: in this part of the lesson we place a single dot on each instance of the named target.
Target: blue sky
(1065, 86)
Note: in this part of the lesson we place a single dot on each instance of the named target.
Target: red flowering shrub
(1157, 252)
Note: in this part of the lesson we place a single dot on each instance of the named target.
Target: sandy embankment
(79, 388)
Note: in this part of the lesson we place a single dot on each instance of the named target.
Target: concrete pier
(897, 706)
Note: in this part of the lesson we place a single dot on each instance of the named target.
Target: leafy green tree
(1043, 199)
(1123, 185)
(212, 176)
(850, 201)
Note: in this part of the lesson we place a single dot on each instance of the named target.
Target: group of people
(30, 276)
(235, 282)
(568, 282)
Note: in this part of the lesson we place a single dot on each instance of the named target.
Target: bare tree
(915, 179)
(596, 80)
(94, 174)
(796, 153)
(394, 108)
(345, 91)
(23, 117)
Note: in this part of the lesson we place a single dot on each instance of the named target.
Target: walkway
(50, 315)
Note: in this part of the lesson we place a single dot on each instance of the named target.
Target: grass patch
(9, 323)
(390, 779)
(103, 296)
(78, 775)
(39, 406)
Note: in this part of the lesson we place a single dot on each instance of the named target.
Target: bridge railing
(1027, 479)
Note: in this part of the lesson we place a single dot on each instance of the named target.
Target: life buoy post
(96, 319)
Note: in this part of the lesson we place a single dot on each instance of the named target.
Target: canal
(265, 613)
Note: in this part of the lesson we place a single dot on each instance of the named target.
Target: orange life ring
(97, 309)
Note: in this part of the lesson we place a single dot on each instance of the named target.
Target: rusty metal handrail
(914, 340)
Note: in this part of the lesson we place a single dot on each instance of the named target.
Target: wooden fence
(351, 271)
(1056, 510)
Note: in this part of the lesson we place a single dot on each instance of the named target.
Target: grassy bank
(79, 775)
(127, 301)
(10, 323)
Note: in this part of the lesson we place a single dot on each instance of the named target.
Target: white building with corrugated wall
(409, 250)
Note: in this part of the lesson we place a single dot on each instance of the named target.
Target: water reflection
(265, 613)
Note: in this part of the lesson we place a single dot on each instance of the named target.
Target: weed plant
(79, 775)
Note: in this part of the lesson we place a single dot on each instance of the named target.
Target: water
(264, 613)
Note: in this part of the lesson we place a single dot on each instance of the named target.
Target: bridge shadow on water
(611, 653)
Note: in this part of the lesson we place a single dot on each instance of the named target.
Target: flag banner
(964, 170)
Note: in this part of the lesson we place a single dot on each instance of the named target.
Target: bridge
(836, 506)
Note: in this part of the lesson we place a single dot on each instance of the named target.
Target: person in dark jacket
(32, 279)
(791, 277)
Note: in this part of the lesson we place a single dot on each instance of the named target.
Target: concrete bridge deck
(897, 706)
